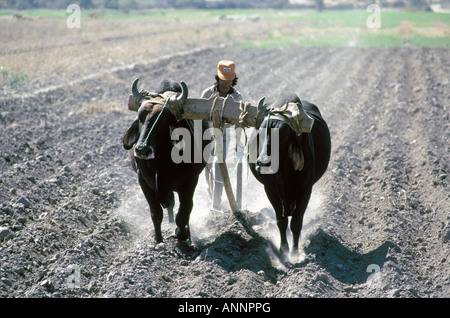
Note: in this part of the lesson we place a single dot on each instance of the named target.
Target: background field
(39, 41)
(378, 222)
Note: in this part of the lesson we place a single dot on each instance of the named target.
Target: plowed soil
(74, 222)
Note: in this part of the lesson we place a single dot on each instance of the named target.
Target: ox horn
(184, 94)
(261, 103)
(138, 96)
(181, 98)
(176, 103)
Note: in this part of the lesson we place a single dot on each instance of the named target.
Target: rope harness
(144, 143)
(289, 113)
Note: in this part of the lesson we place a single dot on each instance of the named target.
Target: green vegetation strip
(350, 28)
(306, 27)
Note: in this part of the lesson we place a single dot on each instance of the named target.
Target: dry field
(73, 220)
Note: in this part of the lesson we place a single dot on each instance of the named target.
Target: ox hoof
(295, 253)
(158, 238)
(284, 249)
(183, 234)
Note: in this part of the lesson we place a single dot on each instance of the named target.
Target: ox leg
(156, 210)
(182, 220)
(170, 208)
(297, 217)
(184, 212)
(282, 221)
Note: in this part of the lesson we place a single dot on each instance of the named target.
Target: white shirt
(210, 91)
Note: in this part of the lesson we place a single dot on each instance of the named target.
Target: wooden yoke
(230, 111)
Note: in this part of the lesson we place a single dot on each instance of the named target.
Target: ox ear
(295, 153)
(132, 135)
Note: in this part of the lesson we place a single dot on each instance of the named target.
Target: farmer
(226, 79)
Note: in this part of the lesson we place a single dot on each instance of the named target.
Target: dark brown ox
(149, 138)
(302, 160)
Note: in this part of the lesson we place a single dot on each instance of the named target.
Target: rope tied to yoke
(211, 113)
(242, 119)
(244, 112)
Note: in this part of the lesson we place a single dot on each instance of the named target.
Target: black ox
(303, 159)
(150, 143)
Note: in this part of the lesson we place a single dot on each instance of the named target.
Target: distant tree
(23, 4)
(129, 5)
(277, 3)
(198, 4)
(418, 4)
(86, 4)
(112, 4)
(319, 5)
